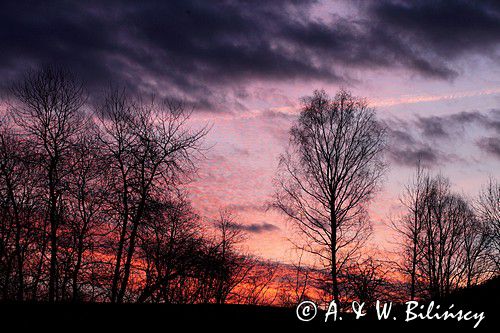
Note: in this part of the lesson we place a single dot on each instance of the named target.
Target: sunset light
(311, 164)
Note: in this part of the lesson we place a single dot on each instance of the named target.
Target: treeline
(332, 169)
(92, 208)
(448, 240)
(445, 241)
(91, 201)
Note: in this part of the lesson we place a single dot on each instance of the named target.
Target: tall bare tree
(17, 211)
(444, 245)
(330, 173)
(476, 240)
(149, 148)
(85, 208)
(48, 110)
(442, 238)
(411, 224)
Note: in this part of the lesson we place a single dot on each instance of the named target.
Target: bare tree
(231, 266)
(48, 111)
(86, 208)
(367, 281)
(329, 174)
(444, 244)
(149, 149)
(18, 205)
(295, 284)
(488, 208)
(442, 239)
(411, 224)
(475, 246)
(170, 246)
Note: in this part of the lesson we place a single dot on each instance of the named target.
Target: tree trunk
(131, 249)
(333, 241)
(53, 233)
(121, 243)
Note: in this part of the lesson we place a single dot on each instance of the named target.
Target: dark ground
(174, 318)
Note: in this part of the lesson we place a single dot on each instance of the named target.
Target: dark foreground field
(165, 318)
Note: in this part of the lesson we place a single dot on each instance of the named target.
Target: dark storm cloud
(257, 228)
(422, 139)
(490, 145)
(432, 126)
(203, 51)
(187, 47)
(441, 127)
(468, 117)
(411, 156)
(494, 120)
(408, 149)
(449, 29)
(488, 121)
(402, 137)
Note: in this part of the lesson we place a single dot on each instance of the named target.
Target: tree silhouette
(149, 150)
(488, 208)
(329, 174)
(444, 245)
(48, 110)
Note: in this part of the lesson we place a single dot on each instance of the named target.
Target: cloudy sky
(430, 68)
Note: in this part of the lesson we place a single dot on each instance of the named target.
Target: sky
(430, 68)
